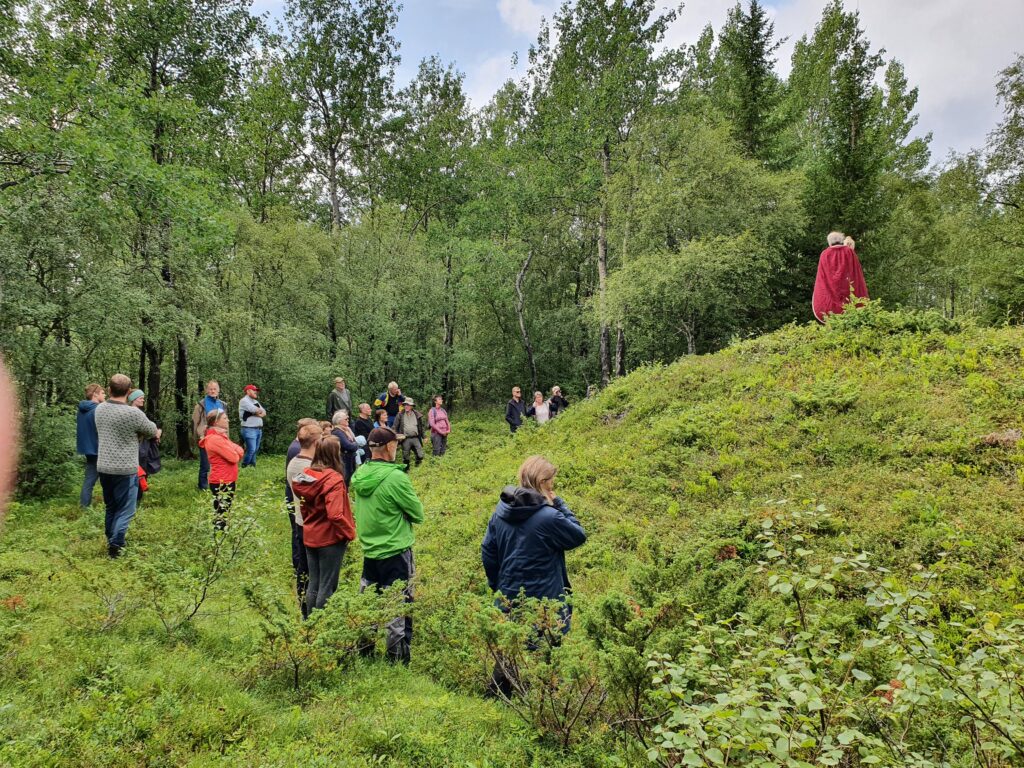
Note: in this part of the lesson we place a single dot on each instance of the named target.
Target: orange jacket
(326, 511)
(224, 456)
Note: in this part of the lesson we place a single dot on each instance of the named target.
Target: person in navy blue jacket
(528, 535)
(523, 551)
(87, 442)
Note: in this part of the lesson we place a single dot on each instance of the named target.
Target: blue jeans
(251, 438)
(120, 493)
(89, 482)
(204, 470)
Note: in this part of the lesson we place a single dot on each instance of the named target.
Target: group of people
(331, 501)
(516, 410)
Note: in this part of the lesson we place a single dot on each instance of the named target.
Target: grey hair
(835, 238)
(339, 416)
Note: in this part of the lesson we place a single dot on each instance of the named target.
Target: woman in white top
(540, 409)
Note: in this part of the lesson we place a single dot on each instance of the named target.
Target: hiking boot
(114, 551)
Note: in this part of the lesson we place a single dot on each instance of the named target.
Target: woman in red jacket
(224, 457)
(327, 522)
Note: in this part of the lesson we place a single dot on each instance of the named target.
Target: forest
(189, 190)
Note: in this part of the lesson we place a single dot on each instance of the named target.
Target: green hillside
(749, 481)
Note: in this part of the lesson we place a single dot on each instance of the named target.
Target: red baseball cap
(251, 386)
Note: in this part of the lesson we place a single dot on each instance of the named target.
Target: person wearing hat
(409, 428)
(386, 508)
(250, 418)
(149, 447)
(339, 398)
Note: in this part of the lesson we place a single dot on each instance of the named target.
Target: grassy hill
(743, 482)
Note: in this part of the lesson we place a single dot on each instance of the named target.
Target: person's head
(340, 418)
(365, 411)
(213, 388)
(538, 397)
(137, 398)
(251, 390)
(119, 385)
(306, 422)
(849, 242)
(95, 393)
(339, 383)
(538, 474)
(382, 416)
(217, 419)
(383, 443)
(438, 401)
(835, 238)
(326, 427)
(407, 405)
(328, 454)
(393, 388)
(556, 391)
(309, 434)
(517, 393)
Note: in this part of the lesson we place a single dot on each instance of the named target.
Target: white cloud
(952, 51)
(524, 16)
(484, 79)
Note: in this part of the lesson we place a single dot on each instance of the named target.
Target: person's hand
(158, 433)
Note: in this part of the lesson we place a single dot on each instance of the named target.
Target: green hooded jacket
(386, 507)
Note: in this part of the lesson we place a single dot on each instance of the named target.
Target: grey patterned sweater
(119, 427)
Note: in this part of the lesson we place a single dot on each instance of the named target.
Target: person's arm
(432, 419)
(339, 510)
(562, 530)
(510, 412)
(143, 426)
(348, 444)
(405, 497)
(531, 411)
(490, 556)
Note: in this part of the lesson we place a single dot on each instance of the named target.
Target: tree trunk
(520, 315)
(183, 420)
(620, 350)
(448, 321)
(602, 265)
(153, 380)
(332, 186)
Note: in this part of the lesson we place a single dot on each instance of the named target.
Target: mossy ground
(668, 469)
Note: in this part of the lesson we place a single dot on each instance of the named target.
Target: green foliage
(46, 461)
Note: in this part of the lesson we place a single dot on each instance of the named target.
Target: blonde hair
(536, 473)
(91, 390)
(309, 434)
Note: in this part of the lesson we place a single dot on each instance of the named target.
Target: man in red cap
(839, 277)
(250, 417)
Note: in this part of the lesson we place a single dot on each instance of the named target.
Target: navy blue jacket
(515, 412)
(524, 548)
(88, 441)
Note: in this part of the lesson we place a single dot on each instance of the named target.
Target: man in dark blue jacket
(515, 410)
(88, 443)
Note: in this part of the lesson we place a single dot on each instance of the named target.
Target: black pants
(381, 574)
(324, 567)
(299, 563)
(223, 496)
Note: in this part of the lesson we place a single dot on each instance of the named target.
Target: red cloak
(839, 275)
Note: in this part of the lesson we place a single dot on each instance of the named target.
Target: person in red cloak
(839, 275)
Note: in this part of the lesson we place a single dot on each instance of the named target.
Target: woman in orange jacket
(224, 457)
(327, 522)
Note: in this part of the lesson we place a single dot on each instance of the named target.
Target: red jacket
(326, 511)
(839, 275)
(224, 456)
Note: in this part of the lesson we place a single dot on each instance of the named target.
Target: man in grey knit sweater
(119, 427)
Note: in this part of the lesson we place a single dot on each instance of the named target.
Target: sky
(952, 50)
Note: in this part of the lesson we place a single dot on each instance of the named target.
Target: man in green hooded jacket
(386, 507)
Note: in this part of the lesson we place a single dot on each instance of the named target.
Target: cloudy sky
(952, 49)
